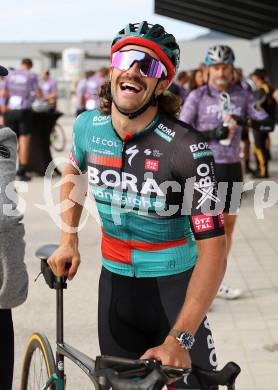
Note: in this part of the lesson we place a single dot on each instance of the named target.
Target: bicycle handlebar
(116, 371)
(156, 378)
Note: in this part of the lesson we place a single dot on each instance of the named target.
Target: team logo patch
(202, 223)
(205, 185)
(151, 165)
(131, 152)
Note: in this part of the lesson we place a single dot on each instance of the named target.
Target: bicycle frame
(65, 350)
(101, 370)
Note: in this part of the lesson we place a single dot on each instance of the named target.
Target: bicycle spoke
(38, 371)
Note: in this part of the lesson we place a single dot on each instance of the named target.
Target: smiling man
(155, 286)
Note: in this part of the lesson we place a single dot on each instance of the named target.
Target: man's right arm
(66, 259)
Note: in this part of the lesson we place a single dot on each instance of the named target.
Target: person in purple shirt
(21, 89)
(218, 110)
(49, 90)
(92, 87)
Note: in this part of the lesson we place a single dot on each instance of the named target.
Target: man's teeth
(130, 86)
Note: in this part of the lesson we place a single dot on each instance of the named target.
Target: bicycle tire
(38, 345)
(58, 138)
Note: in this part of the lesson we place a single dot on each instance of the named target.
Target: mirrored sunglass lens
(125, 59)
(148, 66)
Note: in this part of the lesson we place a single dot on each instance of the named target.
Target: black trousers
(6, 349)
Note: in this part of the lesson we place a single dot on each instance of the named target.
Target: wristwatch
(185, 339)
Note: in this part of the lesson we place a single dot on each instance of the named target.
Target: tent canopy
(245, 19)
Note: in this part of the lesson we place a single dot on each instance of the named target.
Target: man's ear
(162, 86)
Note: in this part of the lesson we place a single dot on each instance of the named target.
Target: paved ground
(245, 331)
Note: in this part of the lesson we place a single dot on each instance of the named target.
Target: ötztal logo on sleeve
(205, 185)
(202, 223)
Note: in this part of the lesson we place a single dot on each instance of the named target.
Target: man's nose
(134, 69)
(221, 72)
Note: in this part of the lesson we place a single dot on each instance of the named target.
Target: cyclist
(178, 87)
(155, 286)
(264, 100)
(13, 275)
(208, 108)
(90, 94)
(49, 90)
(21, 88)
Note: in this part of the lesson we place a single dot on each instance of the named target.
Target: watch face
(186, 340)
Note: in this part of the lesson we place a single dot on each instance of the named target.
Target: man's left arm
(210, 267)
(204, 283)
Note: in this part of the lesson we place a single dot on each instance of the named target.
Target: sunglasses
(149, 66)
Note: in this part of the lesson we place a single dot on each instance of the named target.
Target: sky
(79, 20)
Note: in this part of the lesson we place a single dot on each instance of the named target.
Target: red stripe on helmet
(151, 45)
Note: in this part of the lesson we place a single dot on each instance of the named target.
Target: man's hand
(65, 261)
(170, 353)
(232, 125)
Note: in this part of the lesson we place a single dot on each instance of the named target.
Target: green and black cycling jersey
(155, 192)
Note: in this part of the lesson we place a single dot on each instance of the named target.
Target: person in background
(240, 81)
(196, 79)
(90, 94)
(49, 90)
(21, 89)
(178, 86)
(13, 274)
(80, 89)
(266, 102)
(205, 70)
(275, 95)
(217, 110)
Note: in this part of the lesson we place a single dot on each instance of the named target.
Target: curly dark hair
(167, 102)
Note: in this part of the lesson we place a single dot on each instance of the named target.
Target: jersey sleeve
(189, 110)
(78, 149)
(195, 170)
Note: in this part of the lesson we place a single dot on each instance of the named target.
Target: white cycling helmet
(219, 54)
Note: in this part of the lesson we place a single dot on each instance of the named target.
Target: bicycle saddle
(45, 251)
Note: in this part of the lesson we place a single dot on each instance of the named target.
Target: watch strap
(175, 333)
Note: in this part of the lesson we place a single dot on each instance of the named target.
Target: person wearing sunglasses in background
(163, 258)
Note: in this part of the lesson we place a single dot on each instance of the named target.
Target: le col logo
(199, 146)
(105, 142)
(101, 118)
(167, 131)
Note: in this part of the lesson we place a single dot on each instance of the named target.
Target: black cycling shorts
(136, 314)
(230, 193)
(20, 121)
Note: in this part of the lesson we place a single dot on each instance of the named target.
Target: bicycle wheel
(38, 363)
(58, 138)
